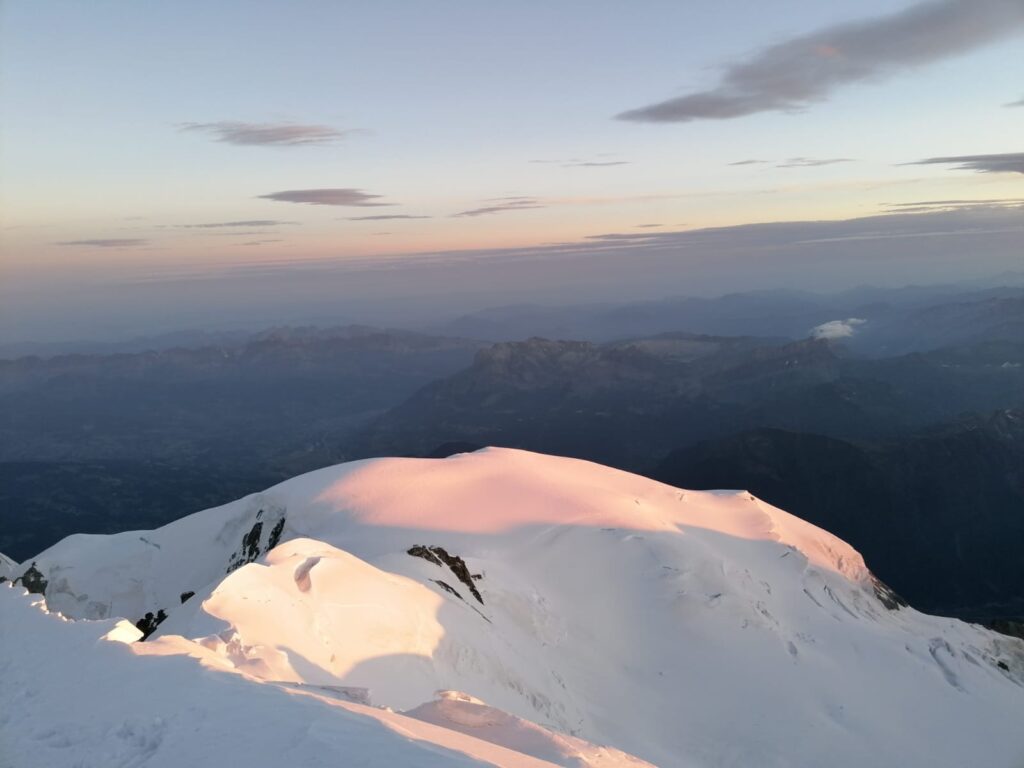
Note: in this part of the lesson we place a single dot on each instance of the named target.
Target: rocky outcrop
(253, 544)
(440, 557)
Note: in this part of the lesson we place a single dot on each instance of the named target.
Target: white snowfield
(501, 608)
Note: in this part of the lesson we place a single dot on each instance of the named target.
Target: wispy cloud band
(230, 224)
(812, 162)
(500, 205)
(107, 242)
(386, 217)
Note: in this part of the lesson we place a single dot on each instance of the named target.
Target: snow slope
(584, 605)
(78, 696)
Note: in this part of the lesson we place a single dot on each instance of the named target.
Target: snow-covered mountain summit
(570, 605)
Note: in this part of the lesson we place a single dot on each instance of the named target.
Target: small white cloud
(837, 329)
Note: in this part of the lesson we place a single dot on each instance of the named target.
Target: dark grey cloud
(386, 217)
(1018, 103)
(1009, 162)
(268, 134)
(748, 162)
(262, 242)
(247, 223)
(811, 162)
(107, 242)
(352, 197)
(648, 226)
(502, 204)
(803, 70)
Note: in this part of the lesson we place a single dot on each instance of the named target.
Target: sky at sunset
(161, 162)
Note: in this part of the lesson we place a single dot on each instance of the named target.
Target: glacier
(499, 607)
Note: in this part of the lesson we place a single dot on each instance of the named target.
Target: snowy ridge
(7, 566)
(586, 606)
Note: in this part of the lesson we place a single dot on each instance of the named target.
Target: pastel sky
(156, 140)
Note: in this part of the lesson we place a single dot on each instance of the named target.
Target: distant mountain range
(895, 321)
(106, 442)
(630, 403)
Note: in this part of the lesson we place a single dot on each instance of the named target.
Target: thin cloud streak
(502, 204)
(595, 164)
(385, 217)
(340, 196)
(804, 70)
(267, 134)
(576, 162)
(810, 162)
(228, 224)
(107, 242)
(624, 237)
(243, 233)
(931, 205)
